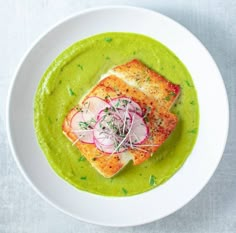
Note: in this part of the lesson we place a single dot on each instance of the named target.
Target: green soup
(79, 68)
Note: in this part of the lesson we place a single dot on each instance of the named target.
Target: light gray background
(213, 210)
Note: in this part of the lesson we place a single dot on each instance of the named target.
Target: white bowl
(149, 206)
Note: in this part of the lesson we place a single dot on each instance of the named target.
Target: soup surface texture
(75, 71)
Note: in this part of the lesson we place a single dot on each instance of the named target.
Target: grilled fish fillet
(152, 92)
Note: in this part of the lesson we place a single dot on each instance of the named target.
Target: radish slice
(92, 106)
(107, 129)
(121, 103)
(139, 131)
(81, 129)
(109, 149)
(107, 132)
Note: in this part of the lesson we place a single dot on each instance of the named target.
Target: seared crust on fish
(155, 96)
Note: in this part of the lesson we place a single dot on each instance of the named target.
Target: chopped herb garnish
(152, 180)
(92, 120)
(83, 177)
(83, 125)
(124, 191)
(125, 102)
(188, 83)
(193, 131)
(80, 66)
(134, 52)
(81, 158)
(116, 89)
(107, 58)
(167, 98)
(71, 92)
(192, 102)
(148, 79)
(148, 109)
(50, 120)
(172, 93)
(108, 39)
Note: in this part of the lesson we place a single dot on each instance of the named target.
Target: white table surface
(213, 210)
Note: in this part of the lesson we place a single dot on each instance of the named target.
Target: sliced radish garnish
(81, 129)
(111, 149)
(107, 129)
(124, 102)
(139, 131)
(113, 127)
(91, 107)
(102, 137)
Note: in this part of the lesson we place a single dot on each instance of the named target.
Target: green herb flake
(50, 120)
(146, 119)
(192, 102)
(81, 158)
(83, 177)
(108, 58)
(193, 131)
(167, 98)
(125, 102)
(148, 79)
(172, 93)
(134, 52)
(116, 89)
(188, 83)
(71, 92)
(83, 125)
(80, 66)
(152, 180)
(124, 191)
(108, 39)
